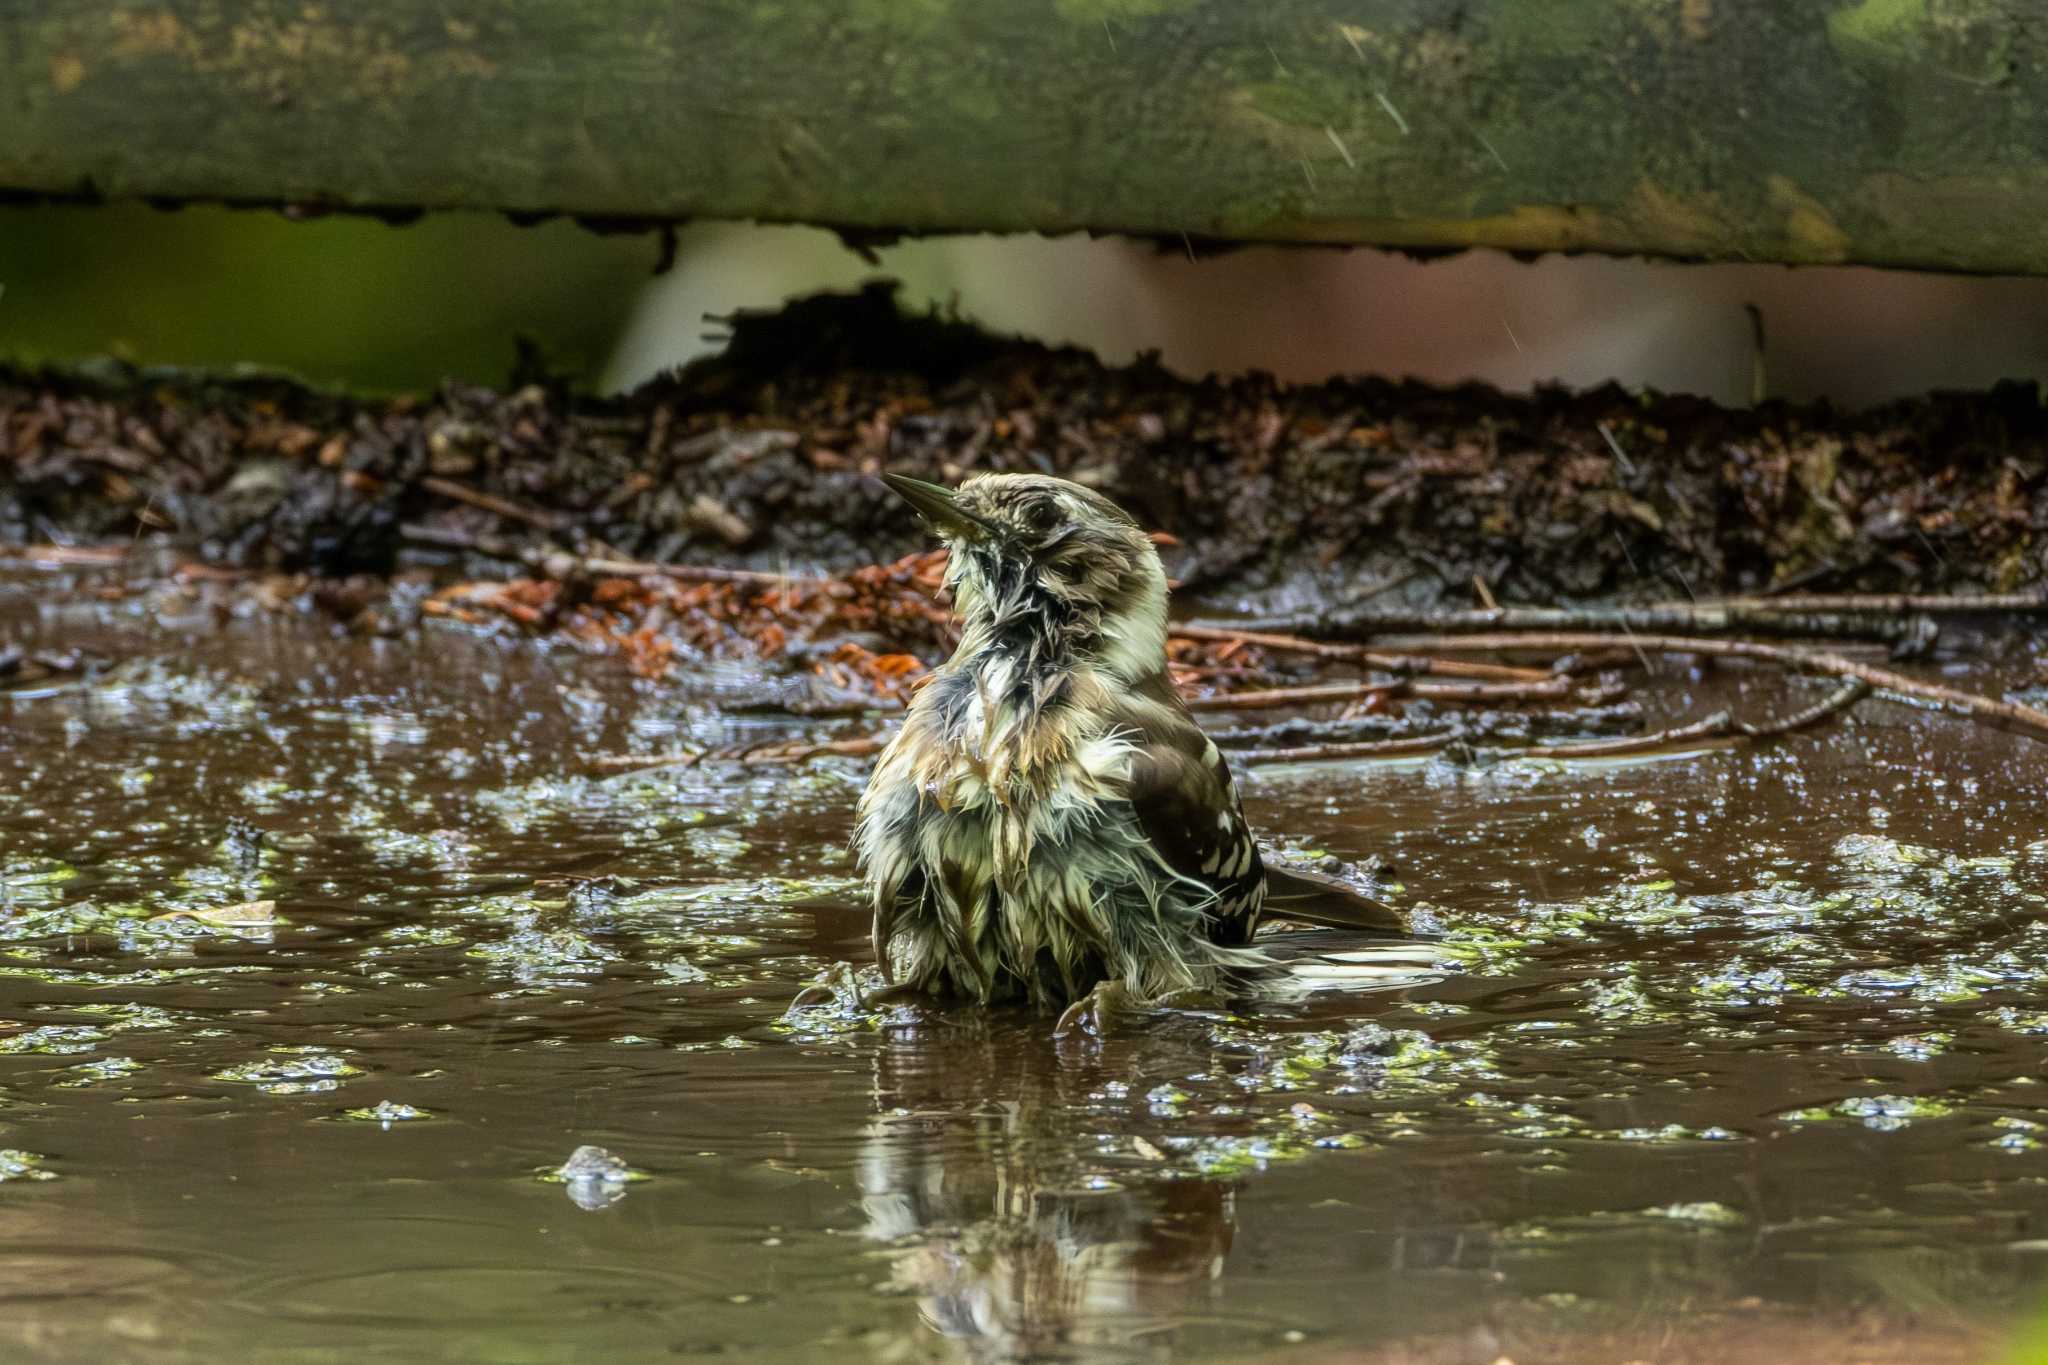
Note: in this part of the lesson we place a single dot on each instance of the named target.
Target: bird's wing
(1184, 802)
(1295, 893)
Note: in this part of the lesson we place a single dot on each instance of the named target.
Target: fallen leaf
(248, 915)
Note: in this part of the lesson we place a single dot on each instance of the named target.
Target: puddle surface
(1736, 1047)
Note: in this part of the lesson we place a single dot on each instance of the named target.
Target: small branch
(1842, 698)
(1293, 696)
(1578, 721)
(861, 746)
(2003, 715)
(490, 502)
(1372, 748)
(1386, 663)
(1885, 604)
(1759, 616)
(66, 556)
(1544, 687)
(561, 565)
(1719, 726)
(694, 573)
(1615, 651)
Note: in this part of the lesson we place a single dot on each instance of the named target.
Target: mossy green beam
(1891, 132)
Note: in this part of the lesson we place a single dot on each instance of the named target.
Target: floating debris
(593, 1178)
(297, 1071)
(385, 1113)
(19, 1165)
(247, 915)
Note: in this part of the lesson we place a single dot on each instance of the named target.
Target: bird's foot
(840, 986)
(1103, 1009)
(836, 985)
(1096, 1012)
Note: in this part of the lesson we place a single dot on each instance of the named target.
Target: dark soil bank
(766, 455)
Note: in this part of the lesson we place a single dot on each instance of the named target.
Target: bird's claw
(836, 985)
(840, 985)
(810, 995)
(1094, 1012)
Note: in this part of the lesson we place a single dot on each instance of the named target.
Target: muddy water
(1730, 1052)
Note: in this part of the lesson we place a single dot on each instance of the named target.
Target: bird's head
(1039, 554)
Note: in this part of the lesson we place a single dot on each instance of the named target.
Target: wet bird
(1050, 825)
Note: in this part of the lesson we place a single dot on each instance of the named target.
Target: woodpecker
(1050, 825)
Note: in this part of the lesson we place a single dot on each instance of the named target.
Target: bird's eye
(1041, 516)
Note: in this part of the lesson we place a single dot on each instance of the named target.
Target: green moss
(1567, 28)
(1110, 11)
(1890, 24)
(1315, 105)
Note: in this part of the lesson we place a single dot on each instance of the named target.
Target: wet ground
(1735, 1056)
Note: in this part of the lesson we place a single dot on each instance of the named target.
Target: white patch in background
(1855, 335)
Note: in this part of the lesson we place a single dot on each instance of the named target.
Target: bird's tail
(1315, 961)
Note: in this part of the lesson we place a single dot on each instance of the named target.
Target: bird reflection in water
(1019, 1231)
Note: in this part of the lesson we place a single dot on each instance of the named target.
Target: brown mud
(765, 455)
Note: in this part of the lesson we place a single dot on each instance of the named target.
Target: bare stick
(1544, 688)
(1577, 722)
(1842, 698)
(1293, 696)
(694, 573)
(1719, 726)
(66, 556)
(1617, 651)
(2003, 715)
(860, 746)
(1324, 649)
(1883, 604)
(560, 564)
(1371, 748)
(490, 502)
(1759, 616)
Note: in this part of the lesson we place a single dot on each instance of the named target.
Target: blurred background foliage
(340, 300)
(354, 302)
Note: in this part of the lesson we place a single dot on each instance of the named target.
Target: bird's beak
(940, 506)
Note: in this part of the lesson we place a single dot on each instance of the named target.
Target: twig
(66, 556)
(624, 762)
(1715, 729)
(1843, 697)
(1615, 651)
(1885, 604)
(1292, 696)
(1579, 721)
(1371, 748)
(1758, 616)
(1621, 458)
(1379, 587)
(2002, 715)
(1718, 726)
(861, 746)
(1544, 688)
(491, 502)
(1326, 649)
(695, 573)
(559, 564)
